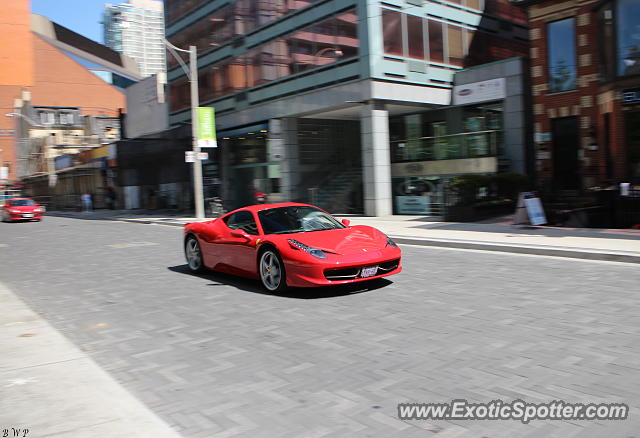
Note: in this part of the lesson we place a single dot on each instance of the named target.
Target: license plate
(369, 272)
(27, 215)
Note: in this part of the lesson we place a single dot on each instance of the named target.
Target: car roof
(259, 207)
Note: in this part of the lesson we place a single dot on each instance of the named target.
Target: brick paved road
(216, 357)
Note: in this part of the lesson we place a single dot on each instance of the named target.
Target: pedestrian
(86, 202)
(111, 198)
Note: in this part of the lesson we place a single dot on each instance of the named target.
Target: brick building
(585, 76)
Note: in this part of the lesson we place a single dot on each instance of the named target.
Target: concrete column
(376, 160)
(285, 133)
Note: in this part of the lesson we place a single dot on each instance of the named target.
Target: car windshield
(21, 202)
(296, 219)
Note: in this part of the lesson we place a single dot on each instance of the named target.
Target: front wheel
(272, 273)
(194, 255)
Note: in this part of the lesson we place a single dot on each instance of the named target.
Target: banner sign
(206, 127)
(529, 209)
(484, 91)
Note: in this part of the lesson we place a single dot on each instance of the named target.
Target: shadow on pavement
(249, 285)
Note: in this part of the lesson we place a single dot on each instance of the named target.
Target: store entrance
(632, 127)
(565, 153)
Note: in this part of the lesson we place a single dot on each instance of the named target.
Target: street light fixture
(192, 73)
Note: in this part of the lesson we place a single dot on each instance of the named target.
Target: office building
(136, 29)
(308, 94)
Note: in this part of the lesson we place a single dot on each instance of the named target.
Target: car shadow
(313, 293)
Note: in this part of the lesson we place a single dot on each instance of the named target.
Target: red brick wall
(582, 102)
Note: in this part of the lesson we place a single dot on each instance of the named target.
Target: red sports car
(16, 209)
(290, 244)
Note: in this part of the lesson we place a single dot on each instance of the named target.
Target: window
(436, 42)
(392, 32)
(456, 47)
(561, 44)
(243, 220)
(606, 46)
(628, 17)
(47, 117)
(416, 38)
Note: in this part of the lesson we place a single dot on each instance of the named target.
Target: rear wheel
(272, 274)
(193, 255)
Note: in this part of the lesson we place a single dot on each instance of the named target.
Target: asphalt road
(215, 356)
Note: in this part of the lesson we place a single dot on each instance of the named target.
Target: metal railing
(448, 147)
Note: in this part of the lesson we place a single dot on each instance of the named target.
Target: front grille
(389, 266)
(354, 272)
(341, 274)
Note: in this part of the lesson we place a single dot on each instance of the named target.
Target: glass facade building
(307, 91)
(136, 29)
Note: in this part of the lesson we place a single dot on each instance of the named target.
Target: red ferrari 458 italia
(17, 209)
(290, 244)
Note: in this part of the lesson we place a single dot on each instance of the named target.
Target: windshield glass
(296, 219)
(22, 202)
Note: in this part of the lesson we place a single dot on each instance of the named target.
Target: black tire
(271, 271)
(193, 254)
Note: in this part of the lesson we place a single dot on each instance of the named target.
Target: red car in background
(290, 244)
(18, 209)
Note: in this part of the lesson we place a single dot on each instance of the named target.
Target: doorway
(566, 144)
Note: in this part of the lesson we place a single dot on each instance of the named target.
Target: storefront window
(628, 17)
(561, 44)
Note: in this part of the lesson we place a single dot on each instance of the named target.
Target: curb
(566, 253)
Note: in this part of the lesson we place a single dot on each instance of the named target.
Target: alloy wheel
(271, 271)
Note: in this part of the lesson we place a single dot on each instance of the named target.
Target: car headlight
(313, 251)
(391, 243)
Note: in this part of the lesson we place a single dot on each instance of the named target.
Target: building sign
(413, 204)
(631, 96)
(207, 127)
(484, 91)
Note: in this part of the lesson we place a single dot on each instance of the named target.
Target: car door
(242, 250)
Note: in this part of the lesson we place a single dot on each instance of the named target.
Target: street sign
(203, 156)
(206, 127)
(4, 173)
(189, 156)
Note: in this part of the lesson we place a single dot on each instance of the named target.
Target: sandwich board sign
(529, 209)
(206, 127)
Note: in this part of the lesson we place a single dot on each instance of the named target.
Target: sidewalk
(51, 388)
(492, 235)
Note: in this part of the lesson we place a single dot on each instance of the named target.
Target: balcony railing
(448, 147)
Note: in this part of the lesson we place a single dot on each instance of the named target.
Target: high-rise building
(136, 29)
(322, 101)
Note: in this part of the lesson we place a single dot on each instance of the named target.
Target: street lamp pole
(192, 74)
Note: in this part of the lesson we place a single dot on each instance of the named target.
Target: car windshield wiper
(289, 231)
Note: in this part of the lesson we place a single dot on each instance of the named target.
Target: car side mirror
(346, 222)
(239, 233)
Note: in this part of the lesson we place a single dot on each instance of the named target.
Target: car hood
(23, 208)
(343, 241)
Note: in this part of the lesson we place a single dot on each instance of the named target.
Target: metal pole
(197, 164)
